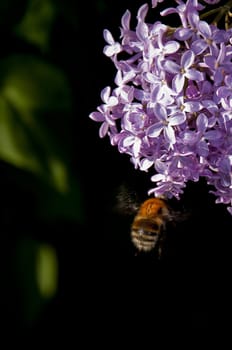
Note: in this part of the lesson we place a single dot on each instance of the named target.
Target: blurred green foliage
(37, 271)
(33, 92)
(37, 22)
(36, 115)
(30, 87)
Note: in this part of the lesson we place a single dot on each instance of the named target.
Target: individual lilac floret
(171, 107)
(183, 71)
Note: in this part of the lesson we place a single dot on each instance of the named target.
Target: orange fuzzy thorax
(151, 207)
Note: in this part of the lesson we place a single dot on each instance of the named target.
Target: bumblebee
(149, 224)
(151, 217)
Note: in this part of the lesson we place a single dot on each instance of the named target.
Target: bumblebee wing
(127, 201)
(178, 216)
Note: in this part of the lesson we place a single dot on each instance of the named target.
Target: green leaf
(15, 146)
(46, 270)
(30, 89)
(33, 84)
(36, 25)
(37, 267)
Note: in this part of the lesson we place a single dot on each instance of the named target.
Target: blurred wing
(127, 201)
(177, 216)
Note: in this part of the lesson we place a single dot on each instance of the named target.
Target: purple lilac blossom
(171, 109)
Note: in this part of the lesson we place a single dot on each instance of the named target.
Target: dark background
(101, 278)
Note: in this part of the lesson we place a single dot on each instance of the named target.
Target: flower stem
(220, 12)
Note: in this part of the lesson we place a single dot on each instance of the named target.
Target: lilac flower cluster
(171, 108)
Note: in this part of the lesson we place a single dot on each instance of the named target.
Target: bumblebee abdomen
(145, 233)
(143, 240)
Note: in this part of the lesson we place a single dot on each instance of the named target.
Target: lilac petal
(183, 34)
(125, 21)
(113, 101)
(198, 46)
(128, 141)
(156, 94)
(103, 129)
(177, 119)
(213, 135)
(136, 146)
(127, 95)
(193, 19)
(225, 180)
(178, 82)
(192, 106)
(161, 189)
(157, 177)
(171, 67)
(128, 76)
(205, 29)
(167, 95)
(97, 116)
(105, 93)
(229, 210)
(223, 49)
(158, 28)
(160, 112)
(225, 165)
(223, 92)
(210, 105)
(142, 31)
(141, 94)
(210, 61)
(161, 166)
(169, 134)
(171, 47)
(168, 11)
(150, 77)
(189, 137)
(142, 12)
(202, 148)
(146, 164)
(194, 74)
(155, 129)
(110, 50)
(228, 80)
(118, 78)
(110, 119)
(108, 36)
(202, 122)
(187, 59)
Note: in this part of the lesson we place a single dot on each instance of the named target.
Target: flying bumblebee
(149, 224)
(150, 219)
